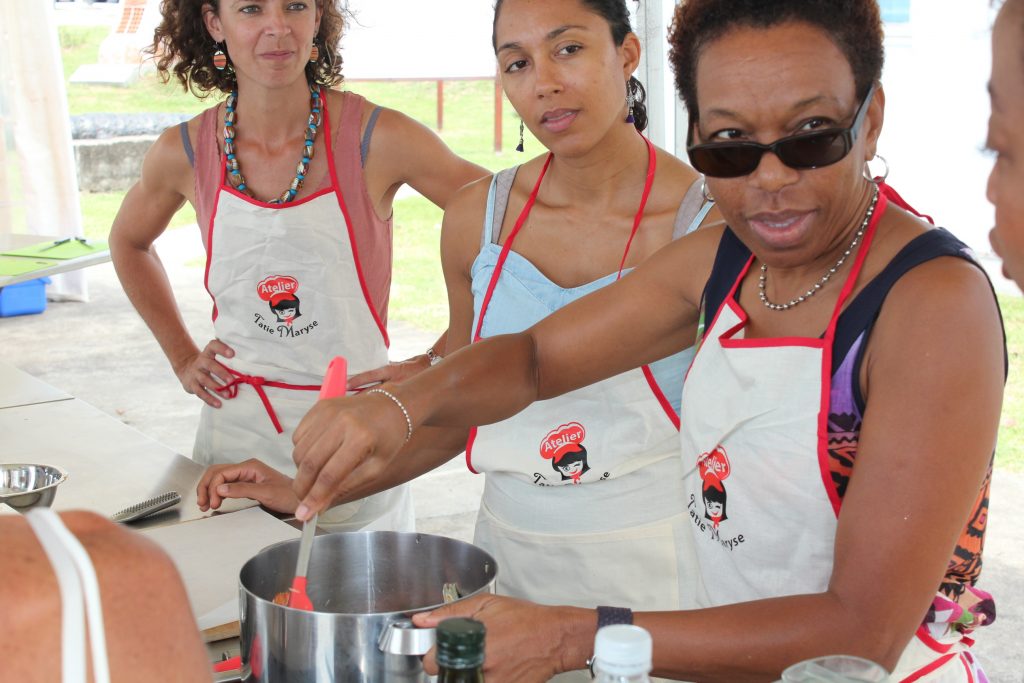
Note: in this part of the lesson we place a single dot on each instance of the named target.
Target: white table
(18, 388)
(110, 465)
(11, 241)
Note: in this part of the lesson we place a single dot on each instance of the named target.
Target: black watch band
(606, 616)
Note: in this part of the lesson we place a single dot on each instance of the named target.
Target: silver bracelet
(408, 420)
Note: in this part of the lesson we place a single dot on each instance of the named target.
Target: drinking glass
(835, 669)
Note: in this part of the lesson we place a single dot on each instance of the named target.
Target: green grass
(1010, 451)
(418, 292)
(99, 209)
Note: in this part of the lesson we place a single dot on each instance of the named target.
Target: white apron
(581, 505)
(761, 503)
(289, 295)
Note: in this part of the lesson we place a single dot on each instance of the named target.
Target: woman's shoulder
(674, 169)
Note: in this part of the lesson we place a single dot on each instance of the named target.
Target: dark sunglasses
(801, 151)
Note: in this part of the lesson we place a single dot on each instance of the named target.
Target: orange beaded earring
(220, 60)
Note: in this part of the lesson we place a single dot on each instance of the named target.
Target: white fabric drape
(42, 187)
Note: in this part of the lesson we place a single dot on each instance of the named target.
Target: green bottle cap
(460, 643)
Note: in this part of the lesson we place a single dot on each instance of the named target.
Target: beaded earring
(314, 54)
(519, 147)
(220, 60)
(630, 100)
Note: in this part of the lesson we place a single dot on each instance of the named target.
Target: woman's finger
(218, 348)
(376, 376)
(207, 395)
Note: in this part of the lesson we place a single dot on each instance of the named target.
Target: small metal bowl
(27, 486)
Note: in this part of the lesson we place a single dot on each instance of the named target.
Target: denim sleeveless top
(524, 296)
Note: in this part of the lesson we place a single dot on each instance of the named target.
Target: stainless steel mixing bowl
(24, 486)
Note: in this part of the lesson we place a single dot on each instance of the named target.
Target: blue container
(23, 298)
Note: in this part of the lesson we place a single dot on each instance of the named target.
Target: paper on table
(15, 265)
(209, 554)
(52, 250)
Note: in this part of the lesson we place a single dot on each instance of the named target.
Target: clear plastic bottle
(460, 651)
(622, 654)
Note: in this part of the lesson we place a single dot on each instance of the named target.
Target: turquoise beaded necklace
(234, 172)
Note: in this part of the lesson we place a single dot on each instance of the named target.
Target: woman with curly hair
(293, 183)
(834, 393)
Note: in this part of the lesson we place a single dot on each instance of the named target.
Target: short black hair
(855, 26)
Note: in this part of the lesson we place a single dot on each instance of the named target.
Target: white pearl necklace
(827, 276)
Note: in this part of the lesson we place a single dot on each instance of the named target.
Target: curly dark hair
(616, 13)
(855, 26)
(182, 46)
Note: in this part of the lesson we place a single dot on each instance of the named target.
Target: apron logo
(279, 293)
(564, 448)
(714, 469)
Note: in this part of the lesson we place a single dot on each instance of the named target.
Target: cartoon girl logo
(564, 448)
(714, 468)
(714, 500)
(279, 292)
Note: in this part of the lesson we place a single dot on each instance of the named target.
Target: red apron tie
(256, 382)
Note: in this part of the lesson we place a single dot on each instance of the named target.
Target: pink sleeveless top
(373, 235)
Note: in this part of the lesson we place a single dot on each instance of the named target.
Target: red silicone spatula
(334, 385)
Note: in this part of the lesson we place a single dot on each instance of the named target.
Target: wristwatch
(606, 616)
(433, 357)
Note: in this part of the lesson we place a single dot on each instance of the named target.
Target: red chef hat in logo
(283, 296)
(276, 288)
(713, 482)
(566, 439)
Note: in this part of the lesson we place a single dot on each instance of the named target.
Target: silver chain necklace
(762, 282)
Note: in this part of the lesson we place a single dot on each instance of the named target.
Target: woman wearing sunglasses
(835, 405)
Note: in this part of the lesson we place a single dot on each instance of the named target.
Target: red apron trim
(209, 236)
(899, 201)
(351, 232)
(276, 207)
(726, 341)
(469, 450)
(927, 669)
(652, 165)
(256, 382)
(926, 637)
(335, 187)
(660, 396)
(826, 357)
(507, 247)
(967, 668)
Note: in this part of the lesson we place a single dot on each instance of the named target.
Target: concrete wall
(110, 165)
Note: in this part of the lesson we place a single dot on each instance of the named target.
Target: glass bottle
(460, 651)
(622, 654)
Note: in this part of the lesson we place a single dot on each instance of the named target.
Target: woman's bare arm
(144, 215)
(647, 315)
(926, 442)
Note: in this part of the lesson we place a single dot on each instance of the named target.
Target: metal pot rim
(400, 614)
